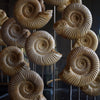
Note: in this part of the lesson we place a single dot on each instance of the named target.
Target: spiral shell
(13, 34)
(1, 41)
(60, 3)
(93, 88)
(29, 14)
(3, 17)
(82, 67)
(12, 60)
(26, 85)
(40, 49)
(40, 97)
(89, 40)
(77, 21)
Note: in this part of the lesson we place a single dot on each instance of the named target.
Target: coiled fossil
(76, 22)
(62, 4)
(82, 67)
(93, 88)
(40, 49)
(30, 15)
(12, 60)
(89, 40)
(3, 17)
(13, 34)
(26, 85)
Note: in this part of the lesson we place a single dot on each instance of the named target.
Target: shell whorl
(89, 40)
(40, 48)
(12, 60)
(3, 17)
(26, 85)
(93, 88)
(13, 34)
(40, 97)
(30, 15)
(77, 21)
(82, 67)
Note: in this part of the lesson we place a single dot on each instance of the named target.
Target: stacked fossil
(82, 68)
(15, 35)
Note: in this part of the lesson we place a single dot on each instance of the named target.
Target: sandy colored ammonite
(89, 40)
(76, 22)
(12, 60)
(26, 85)
(3, 17)
(30, 15)
(82, 67)
(13, 34)
(40, 48)
(93, 88)
(40, 97)
(1, 41)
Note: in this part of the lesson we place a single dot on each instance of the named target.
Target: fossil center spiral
(82, 65)
(13, 59)
(15, 31)
(27, 87)
(42, 45)
(28, 10)
(86, 41)
(76, 19)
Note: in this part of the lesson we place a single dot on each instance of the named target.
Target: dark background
(62, 91)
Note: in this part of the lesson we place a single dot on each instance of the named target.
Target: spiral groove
(3, 17)
(82, 67)
(40, 48)
(26, 85)
(89, 40)
(13, 34)
(30, 15)
(76, 22)
(12, 60)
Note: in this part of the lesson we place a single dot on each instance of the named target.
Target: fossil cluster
(83, 67)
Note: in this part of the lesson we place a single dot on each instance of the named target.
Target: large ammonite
(40, 48)
(82, 67)
(77, 21)
(11, 60)
(3, 17)
(13, 34)
(89, 40)
(1, 41)
(93, 88)
(26, 85)
(30, 15)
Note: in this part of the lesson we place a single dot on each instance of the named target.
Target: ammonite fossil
(93, 88)
(40, 97)
(89, 40)
(3, 17)
(13, 34)
(30, 15)
(40, 48)
(26, 85)
(77, 21)
(12, 60)
(82, 67)
(1, 41)
(60, 3)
